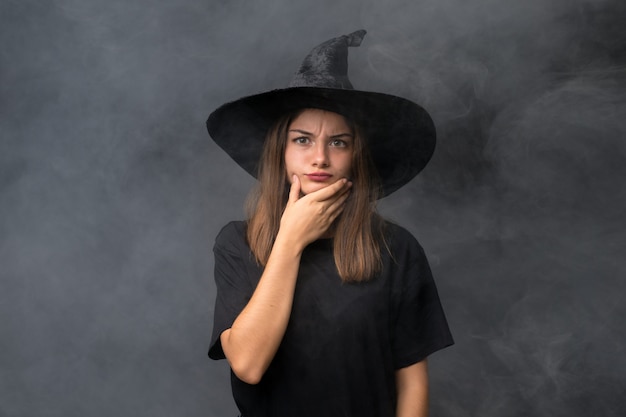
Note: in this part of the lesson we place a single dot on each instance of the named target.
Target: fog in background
(111, 193)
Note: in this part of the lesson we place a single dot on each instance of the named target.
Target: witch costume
(344, 341)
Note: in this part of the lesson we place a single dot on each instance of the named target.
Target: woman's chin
(311, 188)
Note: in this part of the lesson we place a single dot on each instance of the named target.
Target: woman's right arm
(253, 339)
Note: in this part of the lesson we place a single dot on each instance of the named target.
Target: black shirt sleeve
(419, 325)
(234, 287)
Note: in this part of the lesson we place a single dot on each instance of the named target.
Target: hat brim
(400, 134)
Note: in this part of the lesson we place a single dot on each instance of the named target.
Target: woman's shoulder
(401, 241)
(397, 232)
(232, 236)
(234, 226)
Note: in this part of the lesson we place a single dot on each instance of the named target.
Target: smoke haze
(111, 193)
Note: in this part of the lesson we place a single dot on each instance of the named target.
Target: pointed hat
(400, 134)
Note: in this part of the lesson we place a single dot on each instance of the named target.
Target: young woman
(323, 308)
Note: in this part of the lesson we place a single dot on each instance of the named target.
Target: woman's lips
(318, 176)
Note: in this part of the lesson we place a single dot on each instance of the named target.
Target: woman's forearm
(252, 341)
(412, 388)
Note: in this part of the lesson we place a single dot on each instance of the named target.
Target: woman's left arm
(412, 387)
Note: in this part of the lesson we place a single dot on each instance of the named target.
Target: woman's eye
(338, 143)
(301, 140)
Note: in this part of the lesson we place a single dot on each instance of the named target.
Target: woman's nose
(320, 157)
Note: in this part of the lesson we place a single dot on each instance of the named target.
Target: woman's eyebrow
(304, 132)
(340, 135)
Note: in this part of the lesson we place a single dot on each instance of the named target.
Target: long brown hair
(358, 231)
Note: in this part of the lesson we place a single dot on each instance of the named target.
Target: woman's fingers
(329, 209)
(294, 191)
(338, 204)
(332, 191)
(310, 216)
(335, 208)
(328, 199)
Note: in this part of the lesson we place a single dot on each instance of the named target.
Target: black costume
(344, 341)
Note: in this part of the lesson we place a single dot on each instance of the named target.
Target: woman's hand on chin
(307, 218)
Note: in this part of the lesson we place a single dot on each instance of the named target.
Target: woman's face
(319, 149)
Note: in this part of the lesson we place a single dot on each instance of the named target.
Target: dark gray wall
(111, 193)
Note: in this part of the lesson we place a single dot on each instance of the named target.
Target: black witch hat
(400, 133)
